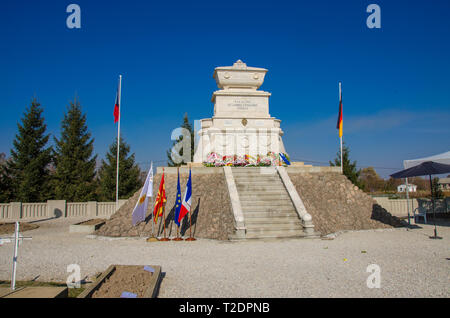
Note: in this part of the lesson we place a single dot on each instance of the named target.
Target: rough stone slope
(335, 204)
(211, 210)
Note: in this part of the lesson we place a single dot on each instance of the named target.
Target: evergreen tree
(349, 168)
(25, 176)
(186, 124)
(75, 165)
(129, 173)
(6, 186)
(437, 192)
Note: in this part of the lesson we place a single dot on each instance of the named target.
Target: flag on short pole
(140, 209)
(186, 205)
(283, 157)
(160, 200)
(178, 202)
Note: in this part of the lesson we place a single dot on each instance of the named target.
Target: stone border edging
(11, 292)
(313, 169)
(338, 233)
(115, 238)
(239, 222)
(149, 293)
(308, 226)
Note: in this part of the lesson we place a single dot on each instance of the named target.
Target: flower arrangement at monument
(271, 159)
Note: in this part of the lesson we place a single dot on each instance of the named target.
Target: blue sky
(396, 83)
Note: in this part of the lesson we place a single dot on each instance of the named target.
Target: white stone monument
(241, 124)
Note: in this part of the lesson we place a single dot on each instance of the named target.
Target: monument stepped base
(267, 209)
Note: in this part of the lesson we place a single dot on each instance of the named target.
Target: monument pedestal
(241, 124)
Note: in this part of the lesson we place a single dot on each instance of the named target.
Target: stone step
(268, 214)
(263, 180)
(267, 187)
(272, 192)
(270, 236)
(273, 226)
(259, 183)
(269, 209)
(269, 203)
(264, 197)
(269, 233)
(252, 169)
(256, 221)
(256, 175)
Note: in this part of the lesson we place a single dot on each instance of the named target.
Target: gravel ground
(411, 264)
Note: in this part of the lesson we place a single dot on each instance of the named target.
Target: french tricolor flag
(186, 205)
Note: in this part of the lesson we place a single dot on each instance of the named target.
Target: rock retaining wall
(335, 204)
(211, 212)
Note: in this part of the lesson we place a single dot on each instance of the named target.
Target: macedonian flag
(160, 200)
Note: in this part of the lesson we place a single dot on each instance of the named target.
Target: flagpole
(164, 239)
(118, 142)
(178, 238)
(340, 137)
(190, 238)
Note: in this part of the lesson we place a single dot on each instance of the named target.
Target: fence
(399, 207)
(57, 208)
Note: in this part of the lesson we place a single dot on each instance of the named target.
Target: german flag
(339, 121)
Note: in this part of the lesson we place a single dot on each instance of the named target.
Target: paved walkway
(411, 264)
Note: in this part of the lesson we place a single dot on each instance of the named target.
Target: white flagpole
(340, 137)
(118, 142)
(16, 248)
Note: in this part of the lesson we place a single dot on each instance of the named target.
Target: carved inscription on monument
(242, 104)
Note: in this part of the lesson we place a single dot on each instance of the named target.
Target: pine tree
(26, 176)
(75, 165)
(188, 126)
(129, 173)
(6, 185)
(349, 168)
(437, 192)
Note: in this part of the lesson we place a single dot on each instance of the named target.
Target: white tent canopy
(441, 158)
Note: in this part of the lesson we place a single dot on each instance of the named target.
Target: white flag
(140, 209)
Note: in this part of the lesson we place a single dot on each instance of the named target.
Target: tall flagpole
(118, 142)
(340, 137)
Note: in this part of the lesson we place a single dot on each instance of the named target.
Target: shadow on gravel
(194, 215)
(383, 216)
(47, 219)
(158, 287)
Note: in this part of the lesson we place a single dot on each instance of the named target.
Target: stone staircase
(266, 205)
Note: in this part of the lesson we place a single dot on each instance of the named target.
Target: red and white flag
(186, 205)
(117, 105)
